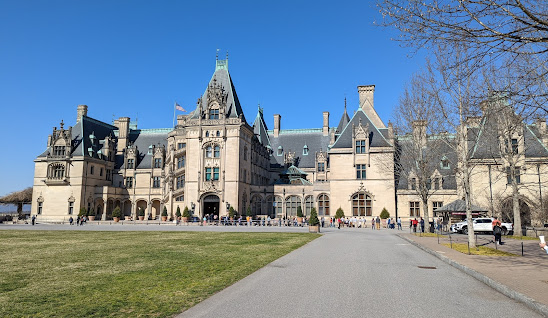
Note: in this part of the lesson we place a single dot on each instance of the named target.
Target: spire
(344, 120)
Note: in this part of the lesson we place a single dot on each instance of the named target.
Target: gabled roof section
(376, 138)
(221, 77)
(294, 140)
(260, 129)
(343, 122)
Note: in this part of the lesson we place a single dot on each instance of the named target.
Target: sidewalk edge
(503, 289)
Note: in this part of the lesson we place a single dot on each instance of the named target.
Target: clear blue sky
(135, 58)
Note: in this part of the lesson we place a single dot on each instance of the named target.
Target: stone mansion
(215, 158)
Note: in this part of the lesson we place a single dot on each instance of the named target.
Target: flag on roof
(178, 107)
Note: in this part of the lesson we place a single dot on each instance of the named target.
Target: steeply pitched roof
(343, 122)
(376, 138)
(143, 139)
(222, 77)
(260, 130)
(294, 140)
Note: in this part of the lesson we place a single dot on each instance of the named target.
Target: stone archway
(507, 213)
(143, 205)
(156, 209)
(99, 204)
(210, 205)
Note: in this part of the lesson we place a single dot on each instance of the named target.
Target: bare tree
(419, 152)
(490, 29)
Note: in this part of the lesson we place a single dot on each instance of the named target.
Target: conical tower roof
(344, 120)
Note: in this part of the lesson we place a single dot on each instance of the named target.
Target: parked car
(481, 225)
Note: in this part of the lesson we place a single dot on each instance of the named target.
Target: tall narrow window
(216, 151)
(515, 146)
(129, 182)
(71, 208)
(59, 151)
(157, 162)
(208, 174)
(323, 204)
(414, 209)
(308, 204)
(516, 175)
(215, 173)
(91, 169)
(321, 166)
(130, 163)
(156, 182)
(213, 114)
(360, 146)
(360, 171)
(305, 150)
(180, 182)
(413, 184)
(209, 152)
(101, 172)
(39, 208)
(280, 150)
(181, 162)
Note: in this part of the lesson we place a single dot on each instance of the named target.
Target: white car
(481, 225)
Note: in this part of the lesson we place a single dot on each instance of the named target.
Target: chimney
(473, 122)
(390, 133)
(277, 122)
(81, 110)
(366, 93)
(123, 132)
(419, 132)
(325, 123)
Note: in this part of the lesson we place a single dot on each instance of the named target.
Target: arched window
(305, 150)
(209, 151)
(308, 204)
(217, 151)
(207, 133)
(361, 205)
(218, 133)
(291, 204)
(257, 205)
(323, 204)
(56, 171)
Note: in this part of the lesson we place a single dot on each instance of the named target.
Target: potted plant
(82, 212)
(313, 222)
(384, 215)
(141, 214)
(339, 214)
(231, 213)
(164, 215)
(186, 214)
(177, 214)
(299, 215)
(91, 214)
(116, 214)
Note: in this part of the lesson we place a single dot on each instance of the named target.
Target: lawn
(127, 274)
(481, 250)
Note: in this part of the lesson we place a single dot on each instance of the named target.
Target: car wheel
(504, 231)
(465, 230)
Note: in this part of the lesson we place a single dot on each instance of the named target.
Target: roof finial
(227, 55)
(345, 104)
(61, 124)
(217, 55)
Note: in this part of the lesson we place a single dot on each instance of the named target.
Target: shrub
(141, 212)
(177, 214)
(91, 212)
(299, 212)
(164, 212)
(82, 212)
(313, 217)
(248, 211)
(384, 214)
(186, 214)
(339, 214)
(116, 213)
(231, 212)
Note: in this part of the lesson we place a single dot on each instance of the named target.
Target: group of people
(356, 222)
(80, 220)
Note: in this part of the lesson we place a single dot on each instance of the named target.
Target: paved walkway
(357, 273)
(527, 275)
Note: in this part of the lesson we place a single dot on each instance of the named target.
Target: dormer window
(360, 146)
(157, 162)
(280, 150)
(213, 113)
(130, 163)
(305, 150)
(59, 150)
(444, 164)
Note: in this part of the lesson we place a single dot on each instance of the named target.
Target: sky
(137, 58)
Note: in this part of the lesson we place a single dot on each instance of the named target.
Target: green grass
(127, 274)
(522, 238)
(428, 235)
(483, 250)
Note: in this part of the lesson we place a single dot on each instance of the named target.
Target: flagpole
(174, 114)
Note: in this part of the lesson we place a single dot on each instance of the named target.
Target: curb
(503, 289)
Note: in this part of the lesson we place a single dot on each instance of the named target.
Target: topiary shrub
(313, 220)
(231, 212)
(82, 212)
(248, 211)
(299, 212)
(141, 212)
(384, 214)
(177, 214)
(116, 213)
(164, 212)
(339, 214)
(186, 214)
(90, 212)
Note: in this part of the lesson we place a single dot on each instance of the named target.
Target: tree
(384, 214)
(83, 212)
(177, 214)
(248, 211)
(491, 30)
(299, 212)
(339, 214)
(90, 212)
(231, 213)
(313, 221)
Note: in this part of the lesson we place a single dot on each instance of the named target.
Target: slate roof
(343, 122)
(143, 139)
(260, 130)
(376, 138)
(459, 206)
(442, 151)
(222, 77)
(294, 140)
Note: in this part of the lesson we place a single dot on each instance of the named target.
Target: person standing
(422, 225)
(389, 223)
(414, 224)
(33, 220)
(71, 220)
(399, 223)
(373, 223)
(378, 221)
(497, 232)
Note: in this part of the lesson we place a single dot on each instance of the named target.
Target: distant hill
(4, 208)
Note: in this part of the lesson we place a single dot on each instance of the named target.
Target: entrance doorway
(211, 205)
